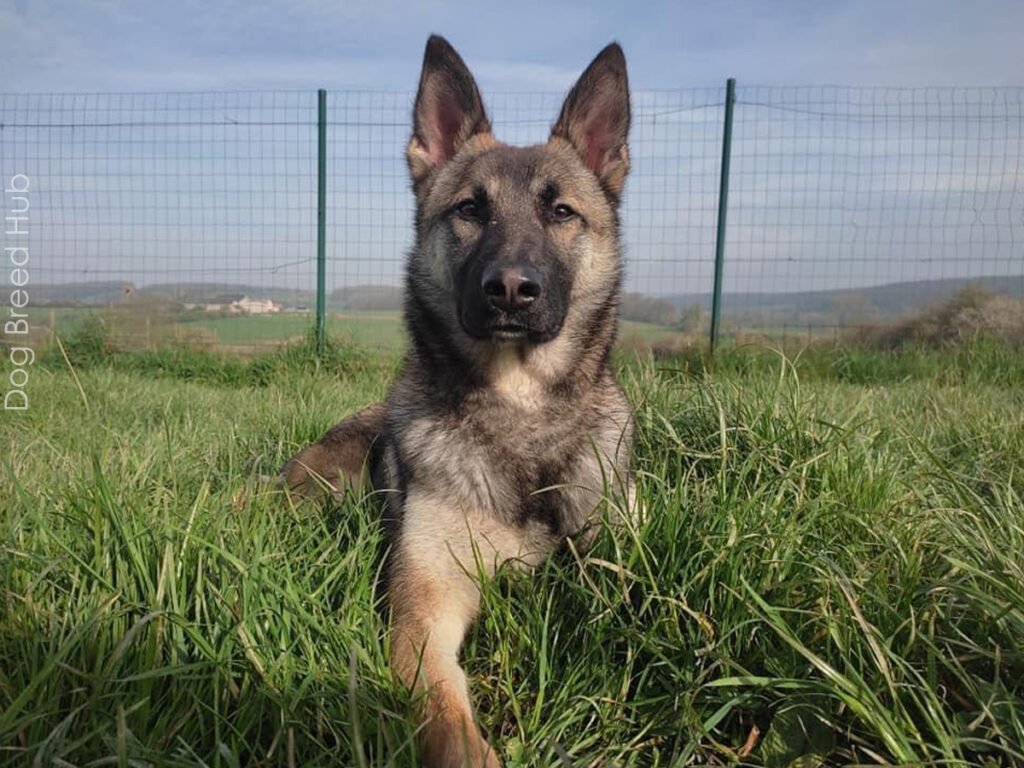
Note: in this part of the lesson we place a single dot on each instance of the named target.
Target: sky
(196, 160)
(129, 45)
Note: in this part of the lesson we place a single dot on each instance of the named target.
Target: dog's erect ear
(448, 111)
(595, 118)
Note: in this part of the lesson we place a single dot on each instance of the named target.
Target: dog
(505, 430)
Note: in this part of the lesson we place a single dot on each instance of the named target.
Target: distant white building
(256, 306)
(237, 304)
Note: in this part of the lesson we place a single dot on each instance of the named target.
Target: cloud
(104, 45)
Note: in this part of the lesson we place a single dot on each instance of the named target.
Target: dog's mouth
(511, 331)
(505, 330)
(519, 333)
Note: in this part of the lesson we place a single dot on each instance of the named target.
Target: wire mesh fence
(162, 211)
(191, 217)
(859, 206)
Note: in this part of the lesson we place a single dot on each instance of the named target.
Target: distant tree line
(362, 298)
(649, 309)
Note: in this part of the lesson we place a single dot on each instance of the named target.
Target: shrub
(971, 315)
(87, 343)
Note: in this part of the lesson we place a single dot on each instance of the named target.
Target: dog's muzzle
(510, 301)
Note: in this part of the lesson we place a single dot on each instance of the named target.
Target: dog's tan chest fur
(519, 384)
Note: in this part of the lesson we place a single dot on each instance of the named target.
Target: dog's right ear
(448, 111)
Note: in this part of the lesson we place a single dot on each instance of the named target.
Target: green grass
(830, 571)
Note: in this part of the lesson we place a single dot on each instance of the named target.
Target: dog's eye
(562, 213)
(469, 209)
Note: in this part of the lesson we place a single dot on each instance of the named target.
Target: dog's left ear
(595, 119)
(448, 111)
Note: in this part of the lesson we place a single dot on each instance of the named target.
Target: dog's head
(515, 244)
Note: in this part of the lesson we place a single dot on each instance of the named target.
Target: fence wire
(192, 216)
(851, 206)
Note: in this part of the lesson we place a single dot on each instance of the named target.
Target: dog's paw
(466, 749)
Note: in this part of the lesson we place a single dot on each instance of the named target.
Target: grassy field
(830, 571)
(372, 328)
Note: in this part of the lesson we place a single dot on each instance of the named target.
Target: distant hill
(73, 294)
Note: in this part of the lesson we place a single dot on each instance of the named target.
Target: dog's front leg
(433, 602)
(432, 606)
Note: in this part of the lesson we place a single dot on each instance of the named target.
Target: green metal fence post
(321, 222)
(723, 207)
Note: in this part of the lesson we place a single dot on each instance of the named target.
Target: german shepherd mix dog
(505, 429)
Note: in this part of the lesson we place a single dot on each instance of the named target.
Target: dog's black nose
(511, 288)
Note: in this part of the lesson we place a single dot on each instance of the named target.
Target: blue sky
(128, 45)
